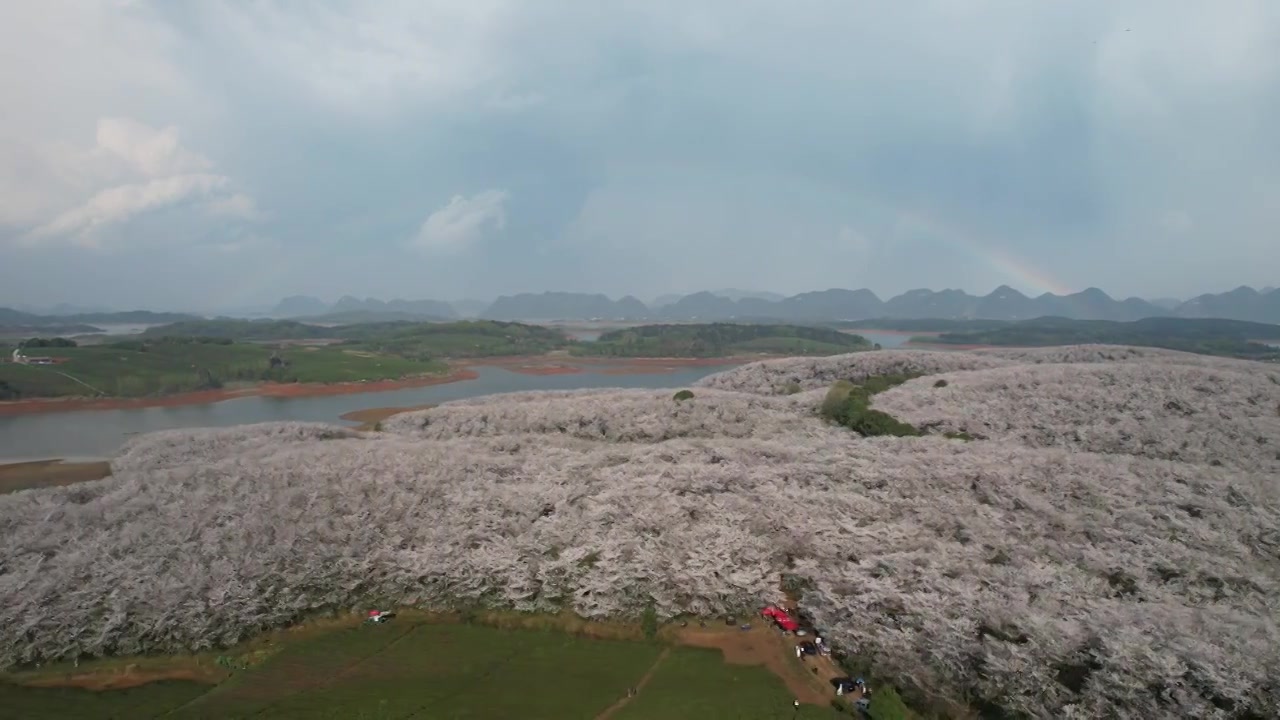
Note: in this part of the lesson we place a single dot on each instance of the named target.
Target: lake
(96, 434)
(885, 340)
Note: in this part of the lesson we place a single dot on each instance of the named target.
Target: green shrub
(54, 342)
(879, 383)
(795, 585)
(792, 388)
(850, 405)
(683, 395)
(886, 704)
(874, 422)
(649, 621)
(836, 399)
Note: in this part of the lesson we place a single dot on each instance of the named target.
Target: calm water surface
(99, 433)
(885, 340)
(90, 434)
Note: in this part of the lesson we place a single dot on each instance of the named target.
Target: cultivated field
(411, 669)
(132, 369)
(1108, 544)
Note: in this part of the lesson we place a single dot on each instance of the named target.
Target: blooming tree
(1108, 545)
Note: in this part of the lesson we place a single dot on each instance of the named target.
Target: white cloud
(356, 58)
(238, 205)
(119, 203)
(462, 222)
(151, 152)
(132, 169)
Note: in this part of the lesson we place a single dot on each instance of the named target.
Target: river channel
(94, 434)
(97, 434)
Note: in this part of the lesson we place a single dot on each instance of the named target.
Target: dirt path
(644, 680)
(765, 646)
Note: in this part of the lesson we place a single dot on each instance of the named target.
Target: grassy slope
(407, 669)
(147, 701)
(479, 338)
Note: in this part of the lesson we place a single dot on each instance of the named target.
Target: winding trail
(644, 680)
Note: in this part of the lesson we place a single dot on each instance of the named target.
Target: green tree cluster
(849, 404)
(54, 342)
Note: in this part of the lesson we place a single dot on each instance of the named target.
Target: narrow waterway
(92, 434)
(96, 434)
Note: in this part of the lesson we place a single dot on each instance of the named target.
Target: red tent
(780, 616)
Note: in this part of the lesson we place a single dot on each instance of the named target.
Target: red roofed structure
(780, 616)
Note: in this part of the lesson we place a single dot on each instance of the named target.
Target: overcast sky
(218, 154)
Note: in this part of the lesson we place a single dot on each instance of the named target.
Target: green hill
(1233, 338)
(721, 340)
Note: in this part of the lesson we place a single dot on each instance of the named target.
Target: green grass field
(148, 701)
(407, 669)
(127, 370)
(696, 684)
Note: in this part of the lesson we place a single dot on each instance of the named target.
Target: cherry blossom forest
(1102, 539)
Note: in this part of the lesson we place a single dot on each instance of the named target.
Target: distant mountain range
(16, 320)
(351, 309)
(1004, 303)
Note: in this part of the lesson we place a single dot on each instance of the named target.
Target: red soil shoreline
(525, 365)
(205, 397)
(908, 333)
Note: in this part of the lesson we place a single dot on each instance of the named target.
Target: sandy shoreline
(49, 473)
(370, 417)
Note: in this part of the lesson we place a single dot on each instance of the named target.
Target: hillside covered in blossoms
(1081, 532)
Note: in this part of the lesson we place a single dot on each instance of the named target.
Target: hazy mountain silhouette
(1003, 303)
(303, 306)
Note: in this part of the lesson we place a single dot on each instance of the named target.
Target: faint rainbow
(1022, 275)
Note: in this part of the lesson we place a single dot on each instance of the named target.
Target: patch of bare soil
(546, 369)
(765, 646)
(370, 417)
(807, 679)
(131, 675)
(49, 473)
